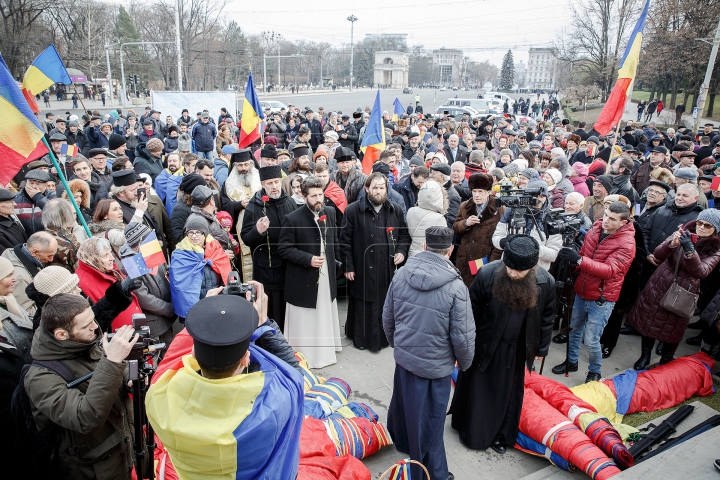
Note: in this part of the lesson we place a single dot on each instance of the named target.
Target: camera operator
(534, 226)
(96, 415)
(257, 434)
(602, 263)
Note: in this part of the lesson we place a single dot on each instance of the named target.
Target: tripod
(564, 288)
(141, 372)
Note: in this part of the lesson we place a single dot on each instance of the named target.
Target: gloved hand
(569, 254)
(130, 284)
(686, 242)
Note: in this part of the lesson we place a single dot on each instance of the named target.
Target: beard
(316, 207)
(173, 168)
(515, 294)
(378, 200)
(244, 178)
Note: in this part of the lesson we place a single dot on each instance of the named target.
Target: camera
(235, 287)
(146, 344)
(557, 222)
(517, 197)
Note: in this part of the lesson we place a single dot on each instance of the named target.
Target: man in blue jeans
(602, 263)
(204, 134)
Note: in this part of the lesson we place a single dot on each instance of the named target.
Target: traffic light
(136, 79)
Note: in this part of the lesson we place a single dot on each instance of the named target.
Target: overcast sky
(484, 30)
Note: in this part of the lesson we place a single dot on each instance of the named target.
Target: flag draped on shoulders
(20, 131)
(186, 271)
(615, 105)
(243, 427)
(374, 140)
(252, 116)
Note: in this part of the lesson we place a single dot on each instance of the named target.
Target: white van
(500, 96)
(481, 105)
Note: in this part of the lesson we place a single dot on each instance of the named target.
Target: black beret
(221, 327)
(97, 151)
(660, 184)
(270, 172)
(147, 121)
(343, 154)
(413, 135)
(60, 120)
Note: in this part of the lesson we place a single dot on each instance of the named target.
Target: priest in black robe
(513, 302)
(374, 242)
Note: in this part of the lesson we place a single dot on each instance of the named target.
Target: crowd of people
(434, 262)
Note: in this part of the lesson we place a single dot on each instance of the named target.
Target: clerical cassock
(374, 241)
(513, 303)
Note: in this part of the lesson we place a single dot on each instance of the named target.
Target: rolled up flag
(476, 265)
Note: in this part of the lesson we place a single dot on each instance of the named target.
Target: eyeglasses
(195, 233)
(657, 192)
(700, 223)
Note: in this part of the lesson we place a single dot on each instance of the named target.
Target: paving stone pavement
(370, 376)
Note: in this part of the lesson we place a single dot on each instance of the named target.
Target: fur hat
(54, 279)
(617, 198)
(481, 181)
(662, 174)
(270, 172)
(575, 138)
(507, 151)
(522, 252)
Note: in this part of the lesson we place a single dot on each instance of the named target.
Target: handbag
(677, 300)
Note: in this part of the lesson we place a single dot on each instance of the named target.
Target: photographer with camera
(602, 263)
(257, 434)
(530, 221)
(94, 416)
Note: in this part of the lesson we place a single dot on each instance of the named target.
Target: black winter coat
(358, 236)
(145, 162)
(276, 210)
(11, 233)
(180, 214)
(299, 242)
(352, 137)
(405, 188)
(621, 186)
(148, 220)
(665, 222)
(491, 316)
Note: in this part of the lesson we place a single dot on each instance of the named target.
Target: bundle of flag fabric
(149, 257)
(543, 423)
(528, 445)
(584, 415)
(186, 271)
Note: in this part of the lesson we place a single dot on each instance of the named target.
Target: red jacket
(93, 283)
(605, 263)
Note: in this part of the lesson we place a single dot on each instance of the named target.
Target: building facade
(447, 67)
(541, 69)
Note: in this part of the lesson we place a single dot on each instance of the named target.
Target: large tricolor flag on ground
(20, 132)
(45, 71)
(374, 140)
(615, 105)
(252, 116)
(398, 110)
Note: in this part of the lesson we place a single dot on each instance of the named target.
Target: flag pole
(71, 197)
(79, 98)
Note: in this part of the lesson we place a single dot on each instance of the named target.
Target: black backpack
(46, 446)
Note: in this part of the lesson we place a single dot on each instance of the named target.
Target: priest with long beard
(513, 302)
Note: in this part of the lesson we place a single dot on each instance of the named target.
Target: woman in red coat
(697, 259)
(97, 271)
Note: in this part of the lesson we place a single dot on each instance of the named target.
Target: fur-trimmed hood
(78, 185)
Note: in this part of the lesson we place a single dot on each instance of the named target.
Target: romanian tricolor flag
(374, 140)
(476, 265)
(242, 427)
(398, 110)
(252, 116)
(46, 70)
(150, 256)
(615, 105)
(186, 271)
(69, 150)
(20, 132)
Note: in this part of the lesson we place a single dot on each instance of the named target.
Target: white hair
(577, 196)
(557, 151)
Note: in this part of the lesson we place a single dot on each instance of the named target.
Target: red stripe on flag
(247, 139)
(614, 107)
(371, 156)
(31, 100)
(12, 161)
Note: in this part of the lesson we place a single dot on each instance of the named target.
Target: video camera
(235, 287)
(145, 345)
(557, 222)
(517, 198)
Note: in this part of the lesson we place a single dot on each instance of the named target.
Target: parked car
(442, 89)
(481, 106)
(274, 105)
(457, 112)
(407, 90)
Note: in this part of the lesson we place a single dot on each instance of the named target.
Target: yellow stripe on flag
(16, 130)
(250, 119)
(36, 81)
(629, 67)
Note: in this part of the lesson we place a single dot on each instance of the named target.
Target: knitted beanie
(711, 216)
(135, 233)
(54, 279)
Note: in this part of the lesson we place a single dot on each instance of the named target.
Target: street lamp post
(122, 65)
(708, 75)
(265, 57)
(352, 19)
(178, 45)
(109, 73)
